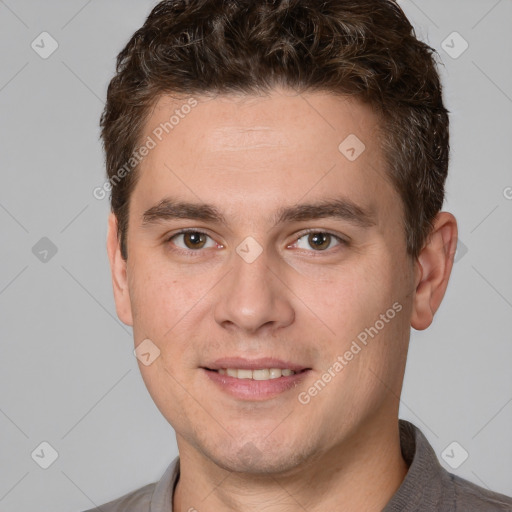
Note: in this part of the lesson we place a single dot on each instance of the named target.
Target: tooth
(260, 374)
(274, 373)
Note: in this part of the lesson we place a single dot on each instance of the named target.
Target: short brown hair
(364, 48)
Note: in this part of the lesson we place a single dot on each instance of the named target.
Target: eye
(320, 241)
(192, 240)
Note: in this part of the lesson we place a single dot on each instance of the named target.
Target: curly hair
(362, 48)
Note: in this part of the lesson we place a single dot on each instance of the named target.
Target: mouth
(257, 374)
(255, 380)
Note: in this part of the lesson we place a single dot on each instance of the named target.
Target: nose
(253, 298)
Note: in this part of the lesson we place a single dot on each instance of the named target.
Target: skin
(249, 156)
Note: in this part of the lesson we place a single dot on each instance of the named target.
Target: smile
(257, 374)
(257, 383)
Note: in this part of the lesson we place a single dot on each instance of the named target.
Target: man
(277, 172)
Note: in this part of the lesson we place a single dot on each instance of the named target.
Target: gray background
(67, 371)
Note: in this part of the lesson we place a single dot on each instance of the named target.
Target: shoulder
(154, 497)
(469, 497)
(135, 501)
(429, 487)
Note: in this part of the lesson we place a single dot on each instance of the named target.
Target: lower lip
(250, 389)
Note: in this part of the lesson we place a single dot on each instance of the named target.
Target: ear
(119, 274)
(434, 266)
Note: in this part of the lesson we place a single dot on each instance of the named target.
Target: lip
(253, 364)
(250, 389)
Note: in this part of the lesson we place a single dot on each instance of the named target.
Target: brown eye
(319, 240)
(194, 239)
(191, 240)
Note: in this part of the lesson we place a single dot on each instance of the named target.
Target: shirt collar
(161, 500)
(427, 483)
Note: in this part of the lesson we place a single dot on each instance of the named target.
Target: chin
(257, 458)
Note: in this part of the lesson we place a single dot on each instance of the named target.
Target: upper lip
(253, 364)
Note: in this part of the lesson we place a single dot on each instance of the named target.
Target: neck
(362, 473)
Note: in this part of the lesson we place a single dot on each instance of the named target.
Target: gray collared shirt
(427, 487)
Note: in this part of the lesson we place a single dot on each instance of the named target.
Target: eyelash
(190, 252)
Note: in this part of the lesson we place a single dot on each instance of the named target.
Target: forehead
(278, 118)
(249, 152)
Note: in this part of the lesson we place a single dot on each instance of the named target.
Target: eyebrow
(339, 208)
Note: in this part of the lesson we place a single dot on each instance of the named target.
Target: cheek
(167, 308)
(156, 286)
(167, 391)
(355, 297)
(353, 309)
(378, 329)
(158, 299)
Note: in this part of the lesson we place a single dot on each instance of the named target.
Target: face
(296, 265)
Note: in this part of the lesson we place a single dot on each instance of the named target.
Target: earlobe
(118, 268)
(435, 263)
